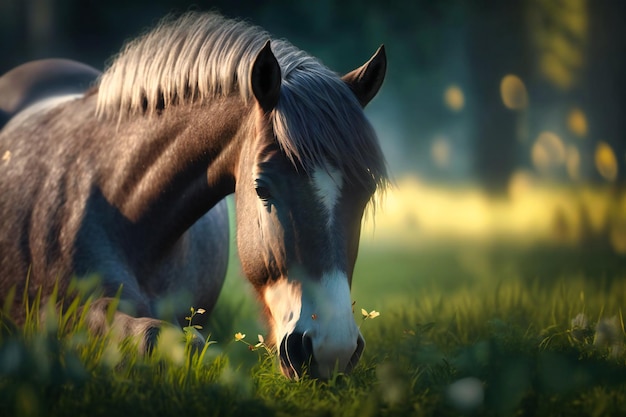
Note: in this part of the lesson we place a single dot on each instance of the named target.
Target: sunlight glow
(440, 151)
(416, 213)
(520, 184)
(453, 98)
(513, 92)
(577, 122)
(548, 152)
(559, 36)
(572, 162)
(606, 162)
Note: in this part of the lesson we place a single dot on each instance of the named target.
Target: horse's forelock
(318, 121)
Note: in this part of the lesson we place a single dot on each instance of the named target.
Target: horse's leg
(194, 271)
(144, 331)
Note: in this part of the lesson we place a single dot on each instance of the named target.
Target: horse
(126, 179)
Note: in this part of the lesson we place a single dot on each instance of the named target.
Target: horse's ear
(265, 78)
(366, 80)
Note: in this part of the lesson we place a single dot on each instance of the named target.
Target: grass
(480, 331)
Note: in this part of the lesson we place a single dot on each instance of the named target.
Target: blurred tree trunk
(13, 33)
(497, 46)
(27, 30)
(605, 82)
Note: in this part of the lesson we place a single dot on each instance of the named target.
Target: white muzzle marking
(322, 312)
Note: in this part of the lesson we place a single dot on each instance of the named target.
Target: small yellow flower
(239, 336)
(201, 311)
(371, 315)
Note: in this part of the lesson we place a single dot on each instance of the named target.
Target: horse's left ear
(366, 80)
(265, 78)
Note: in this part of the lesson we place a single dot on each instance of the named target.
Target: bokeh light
(520, 184)
(572, 162)
(548, 152)
(454, 98)
(577, 122)
(606, 162)
(440, 151)
(513, 92)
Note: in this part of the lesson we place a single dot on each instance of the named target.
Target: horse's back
(38, 80)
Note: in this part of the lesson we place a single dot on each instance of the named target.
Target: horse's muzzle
(297, 357)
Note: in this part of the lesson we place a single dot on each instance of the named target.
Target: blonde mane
(200, 56)
(197, 56)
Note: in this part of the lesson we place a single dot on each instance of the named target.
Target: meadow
(487, 307)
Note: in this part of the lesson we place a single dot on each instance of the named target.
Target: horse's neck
(166, 171)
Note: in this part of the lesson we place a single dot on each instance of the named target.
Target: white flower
(580, 321)
(580, 328)
(609, 334)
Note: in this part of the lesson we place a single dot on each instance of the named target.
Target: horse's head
(302, 186)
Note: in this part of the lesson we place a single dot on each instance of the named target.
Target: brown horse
(127, 181)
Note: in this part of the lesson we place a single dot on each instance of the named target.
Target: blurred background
(502, 121)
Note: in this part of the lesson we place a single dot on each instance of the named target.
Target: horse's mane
(200, 56)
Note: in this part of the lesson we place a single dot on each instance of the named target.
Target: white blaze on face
(327, 183)
(320, 309)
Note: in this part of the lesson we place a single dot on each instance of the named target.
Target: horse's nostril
(296, 354)
(360, 347)
(307, 346)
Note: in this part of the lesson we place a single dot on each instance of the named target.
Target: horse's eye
(263, 192)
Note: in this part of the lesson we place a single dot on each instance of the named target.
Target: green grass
(501, 316)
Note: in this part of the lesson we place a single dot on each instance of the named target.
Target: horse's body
(127, 181)
(65, 222)
(35, 81)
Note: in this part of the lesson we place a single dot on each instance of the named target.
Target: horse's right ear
(366, 80)
(265, 78)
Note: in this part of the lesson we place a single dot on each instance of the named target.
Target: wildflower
(193, 313)
(609, 334)
(580, 321)
(371, 315)
(466, 394)
(580, 330)
(191, 330)
(261, 342)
